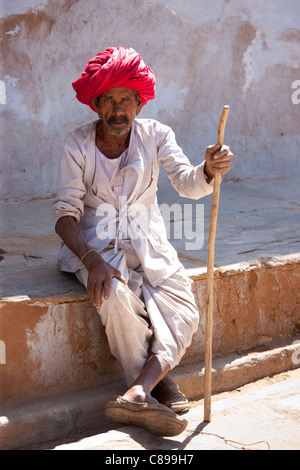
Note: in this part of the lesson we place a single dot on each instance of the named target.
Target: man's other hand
(217, 160)
(100, 278)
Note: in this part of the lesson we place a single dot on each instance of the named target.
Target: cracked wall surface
(205, 54)
(250, 308)
(53, 346)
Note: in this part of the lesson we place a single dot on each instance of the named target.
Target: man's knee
(111, 307)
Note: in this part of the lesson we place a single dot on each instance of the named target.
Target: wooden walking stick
(210, 276)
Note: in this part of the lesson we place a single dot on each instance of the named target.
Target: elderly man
(114, 238)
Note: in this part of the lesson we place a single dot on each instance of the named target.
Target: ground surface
(264, 415)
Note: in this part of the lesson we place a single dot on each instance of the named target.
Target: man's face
(118, 108)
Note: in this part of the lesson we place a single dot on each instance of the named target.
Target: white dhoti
(140, 319)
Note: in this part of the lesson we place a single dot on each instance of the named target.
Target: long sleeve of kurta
(188, 180)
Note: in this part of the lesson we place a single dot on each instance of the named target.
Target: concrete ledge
(254, 303)
(53, 346)
(58, 345)
(37, 422)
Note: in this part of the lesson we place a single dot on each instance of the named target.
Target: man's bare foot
(153, 372)
(137, 393)
(164, 389)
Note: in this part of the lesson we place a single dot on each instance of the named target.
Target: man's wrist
(207, 175)
(89, 258)
(91, 250)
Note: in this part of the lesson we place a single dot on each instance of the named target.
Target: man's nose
(118, 108)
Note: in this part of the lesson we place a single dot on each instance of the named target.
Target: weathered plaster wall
(204, 53)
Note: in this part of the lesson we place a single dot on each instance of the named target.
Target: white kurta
(115, 204)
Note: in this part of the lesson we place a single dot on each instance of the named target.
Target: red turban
(115, 67)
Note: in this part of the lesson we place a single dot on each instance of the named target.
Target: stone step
(40, 422)
(54, 345)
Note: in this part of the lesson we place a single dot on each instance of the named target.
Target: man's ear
(94, 104)
(139, 107)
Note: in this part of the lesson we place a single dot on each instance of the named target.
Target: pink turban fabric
(115, 67)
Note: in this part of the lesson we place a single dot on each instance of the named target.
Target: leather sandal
(155, 418)
(176, 402)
